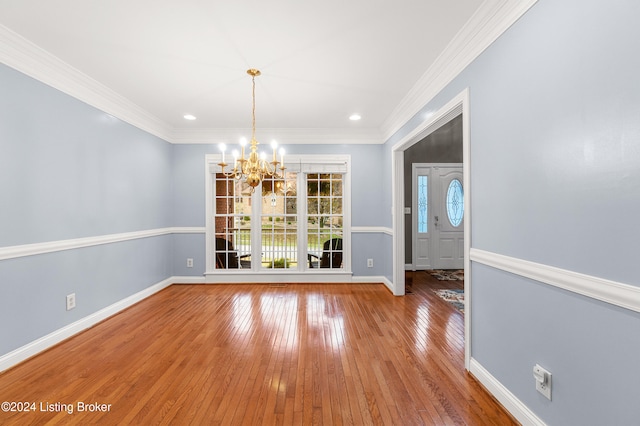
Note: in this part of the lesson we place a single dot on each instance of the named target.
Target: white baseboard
(27, 351)
(189, 280)
(517, 409)
(374, 279)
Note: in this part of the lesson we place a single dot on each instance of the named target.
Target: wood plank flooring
(246, 354)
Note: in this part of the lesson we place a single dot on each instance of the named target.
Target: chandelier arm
(231, 173)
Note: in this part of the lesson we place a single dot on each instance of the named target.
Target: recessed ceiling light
(355, 117)
(189, 117)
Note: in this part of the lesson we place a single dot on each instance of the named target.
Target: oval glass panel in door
(455, 203)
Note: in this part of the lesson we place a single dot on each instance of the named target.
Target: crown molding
(302, 136)
(485, 26)
(492, 19)
(19, 53)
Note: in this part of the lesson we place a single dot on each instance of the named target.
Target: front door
(438, 220)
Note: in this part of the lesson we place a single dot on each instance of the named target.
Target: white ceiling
(320, 61)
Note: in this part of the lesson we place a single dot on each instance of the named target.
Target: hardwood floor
(258, 354)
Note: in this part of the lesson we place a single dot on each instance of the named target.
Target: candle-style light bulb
(223, 148)
(274, 145)
(243, 143)
(235, 154)
(281, 157)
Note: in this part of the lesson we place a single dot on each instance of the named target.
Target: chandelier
(255, 168)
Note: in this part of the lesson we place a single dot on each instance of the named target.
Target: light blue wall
(555, 179)
(189, 246)
(564, 84)
(368, 246)
(68, 170)
(34, 288)
(188, 202)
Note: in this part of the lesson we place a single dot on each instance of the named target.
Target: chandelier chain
(253, 109)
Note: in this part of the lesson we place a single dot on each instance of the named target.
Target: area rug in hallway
(447, 274)
(454, 297)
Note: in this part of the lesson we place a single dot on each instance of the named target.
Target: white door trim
(459, 104)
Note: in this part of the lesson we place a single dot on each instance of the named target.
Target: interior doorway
(458, 106)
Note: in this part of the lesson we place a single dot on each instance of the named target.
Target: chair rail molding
(624, 295)
(12, 252)
(371, 230)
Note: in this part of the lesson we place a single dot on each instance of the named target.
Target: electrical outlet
(71, 301)
(189, 263)
(369, 263)
(543, 381)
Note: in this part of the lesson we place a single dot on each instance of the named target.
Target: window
(294, 223)
(232, 219)
(324, 220)
(455, 203)
(423, 188)
(279, 222)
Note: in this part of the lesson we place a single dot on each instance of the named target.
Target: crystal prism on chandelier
(255, 168)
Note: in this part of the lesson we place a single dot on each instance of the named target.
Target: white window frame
(303, 165)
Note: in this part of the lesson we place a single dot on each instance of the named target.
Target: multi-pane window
(325, 220)
(279, 222)
(292, 222)
(232, 223)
